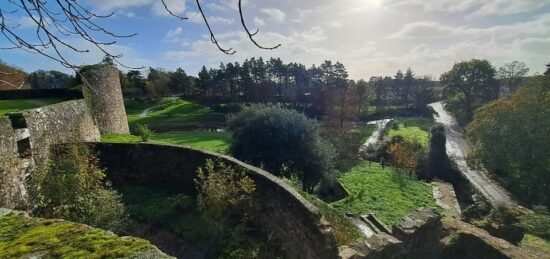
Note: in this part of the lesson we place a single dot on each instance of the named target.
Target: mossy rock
(22, 236)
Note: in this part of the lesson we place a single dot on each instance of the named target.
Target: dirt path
(456, 150)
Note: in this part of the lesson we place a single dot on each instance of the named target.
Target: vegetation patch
(207, 140)
(412, 129)
(7, 106)
(387, 192)
(367, 131)
(20, 236)
(170, 110)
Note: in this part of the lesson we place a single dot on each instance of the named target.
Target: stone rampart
(25, 140)
(305, 232)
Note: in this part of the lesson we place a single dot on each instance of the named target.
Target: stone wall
(102, 90)
(304, 231)
(25, 140)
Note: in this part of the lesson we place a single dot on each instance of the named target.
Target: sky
(370, 37)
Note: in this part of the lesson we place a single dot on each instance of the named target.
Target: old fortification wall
(25, 140)
(282, 209)
(101, 88)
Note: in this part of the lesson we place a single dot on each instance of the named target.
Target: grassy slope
(7, 106)
(413, 128)
(21, 235)
(213, 141)
(344, 231)
(176, 111)
(387, 193)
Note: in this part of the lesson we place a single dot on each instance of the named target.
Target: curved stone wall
(102, 91)
(305, 232)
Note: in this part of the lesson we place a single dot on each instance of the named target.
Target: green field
(7, 106)
(173, 111)
(413, 128)
(212, 141)
(386, 192)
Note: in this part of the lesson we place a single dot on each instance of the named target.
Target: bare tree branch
(251, 35)
(57, 23)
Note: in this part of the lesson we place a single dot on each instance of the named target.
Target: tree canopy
(468, 85)
(510, 136)
(284, 142)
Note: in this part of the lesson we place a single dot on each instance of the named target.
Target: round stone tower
(102, 91)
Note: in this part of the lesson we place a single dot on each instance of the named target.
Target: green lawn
(413, 128)
(387, 193)
(175, 111)
(7, 106)
(213, 141)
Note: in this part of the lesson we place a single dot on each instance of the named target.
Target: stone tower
(102, 91)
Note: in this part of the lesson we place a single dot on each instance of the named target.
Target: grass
(344, 231)
(156, 205)
(174, 111)
(212, 141)
(387, 193)
(7, 106)
(413, 128)
(367, 131)
(20, 236)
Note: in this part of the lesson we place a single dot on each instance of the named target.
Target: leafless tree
(512, 74)
(58, 21)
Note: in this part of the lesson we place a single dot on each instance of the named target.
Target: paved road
(456, 150)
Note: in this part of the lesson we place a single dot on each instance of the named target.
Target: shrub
(285, 142)
(221, 188)
(144, 132)
(346, 143)
(72, 187)
(407, 155)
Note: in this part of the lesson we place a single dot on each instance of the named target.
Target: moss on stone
(21, 236)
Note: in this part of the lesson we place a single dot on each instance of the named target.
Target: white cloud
(274, 14)
(424, 29)
(175, 6)
(173, 35)
(474, 7)
(110, 5)
(259, 22)
(196, 17)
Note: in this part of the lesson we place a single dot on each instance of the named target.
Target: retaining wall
(304, 231)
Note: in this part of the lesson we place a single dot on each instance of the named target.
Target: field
(386, 192)
(169, 110)
(7, 106)
(212, 141)
(413, 128)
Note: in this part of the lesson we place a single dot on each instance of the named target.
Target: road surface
(456, 150)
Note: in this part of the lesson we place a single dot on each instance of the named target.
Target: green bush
(72, 187)
(144, 132)
(285, 142)
(537, 224)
